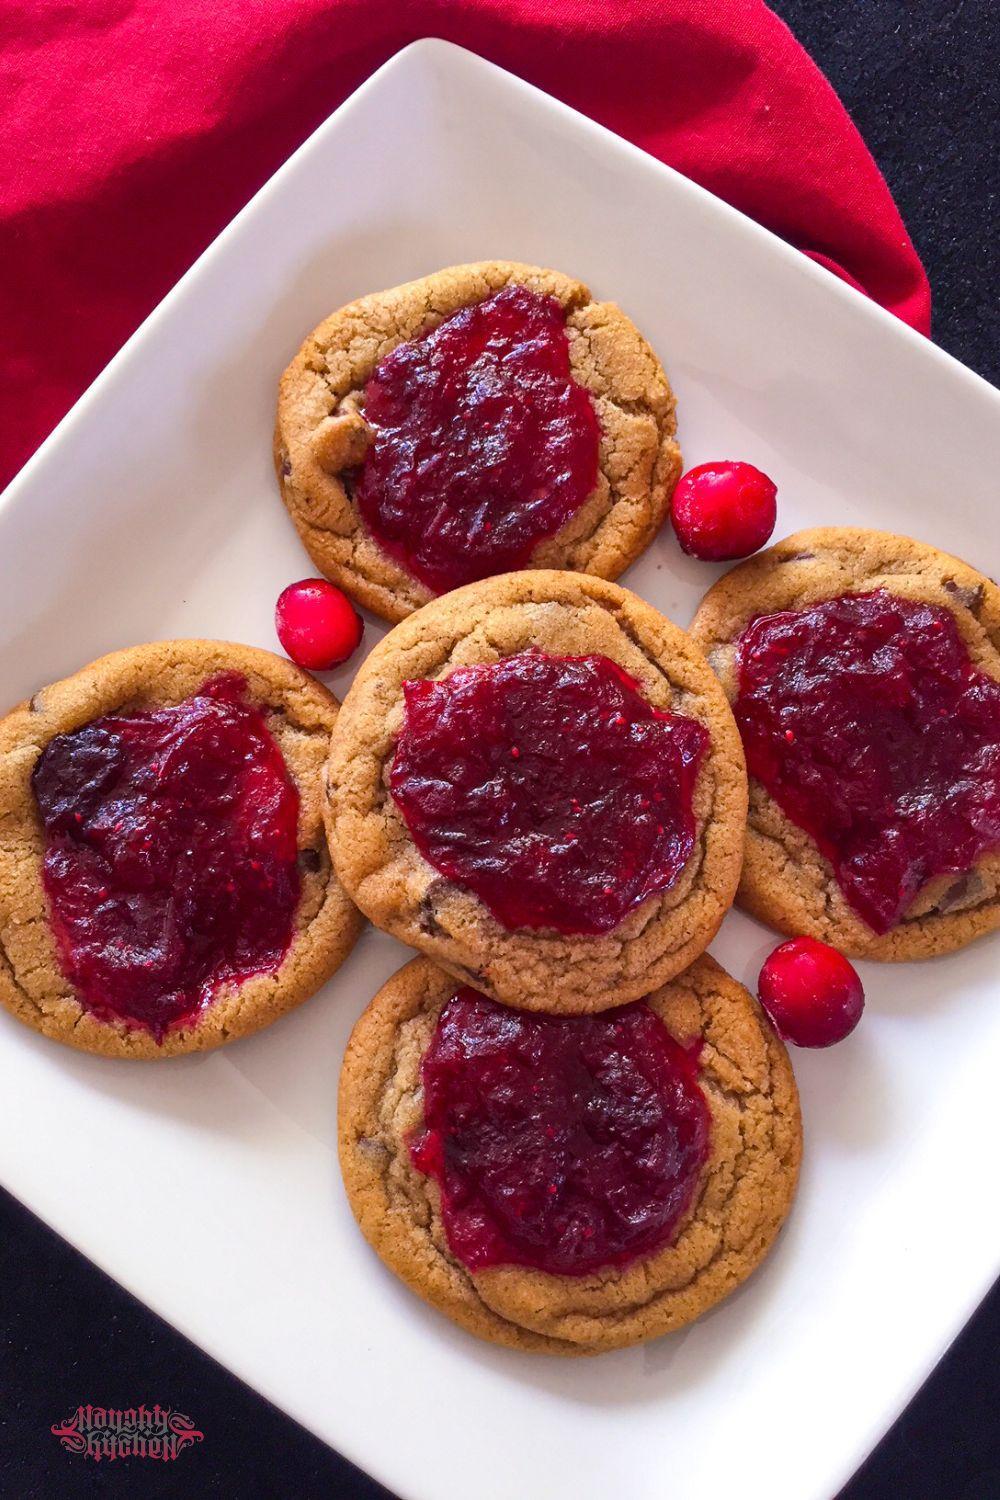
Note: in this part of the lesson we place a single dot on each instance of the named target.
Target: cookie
(600, 816)
(742, 1188)
(907, 868)
(165, 882)
(550, 370)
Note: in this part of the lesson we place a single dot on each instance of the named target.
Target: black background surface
(921, 80)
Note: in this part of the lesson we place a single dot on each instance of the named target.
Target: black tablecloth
(921, 80)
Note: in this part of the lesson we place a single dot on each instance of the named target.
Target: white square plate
(209, 1186)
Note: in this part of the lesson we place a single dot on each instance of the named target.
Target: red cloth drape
(133, 130)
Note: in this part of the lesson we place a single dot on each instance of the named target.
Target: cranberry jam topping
(867, 723)
(484, 443)
(170, 854)
(549, 787)
(565, 1143)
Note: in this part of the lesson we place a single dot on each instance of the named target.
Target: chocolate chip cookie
(864, 672)
(537, 782)
(165, 882)
(492, 1157)
(488, 417)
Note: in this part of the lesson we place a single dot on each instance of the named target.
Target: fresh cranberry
(317, 624)
(723, 510)
(171, 859)
(549, 787)
(560, 1142)
(811, 993)
(484, 444)
(866, 721)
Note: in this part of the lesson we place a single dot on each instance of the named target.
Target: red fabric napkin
(133, 130)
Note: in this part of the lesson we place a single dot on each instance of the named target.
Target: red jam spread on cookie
(549, 787)
(170, 854)
(566, 1143)
(865, 720)
(484, 444)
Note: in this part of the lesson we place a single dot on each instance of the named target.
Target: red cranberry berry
(810, 992)
(723, 510)
(317, 624)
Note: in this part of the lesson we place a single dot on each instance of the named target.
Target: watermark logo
(104, 1432)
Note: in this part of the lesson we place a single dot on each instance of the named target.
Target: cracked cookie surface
(321, 433)
(565, 615)
(786, 881)
(745, 1189)
(300, 715)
